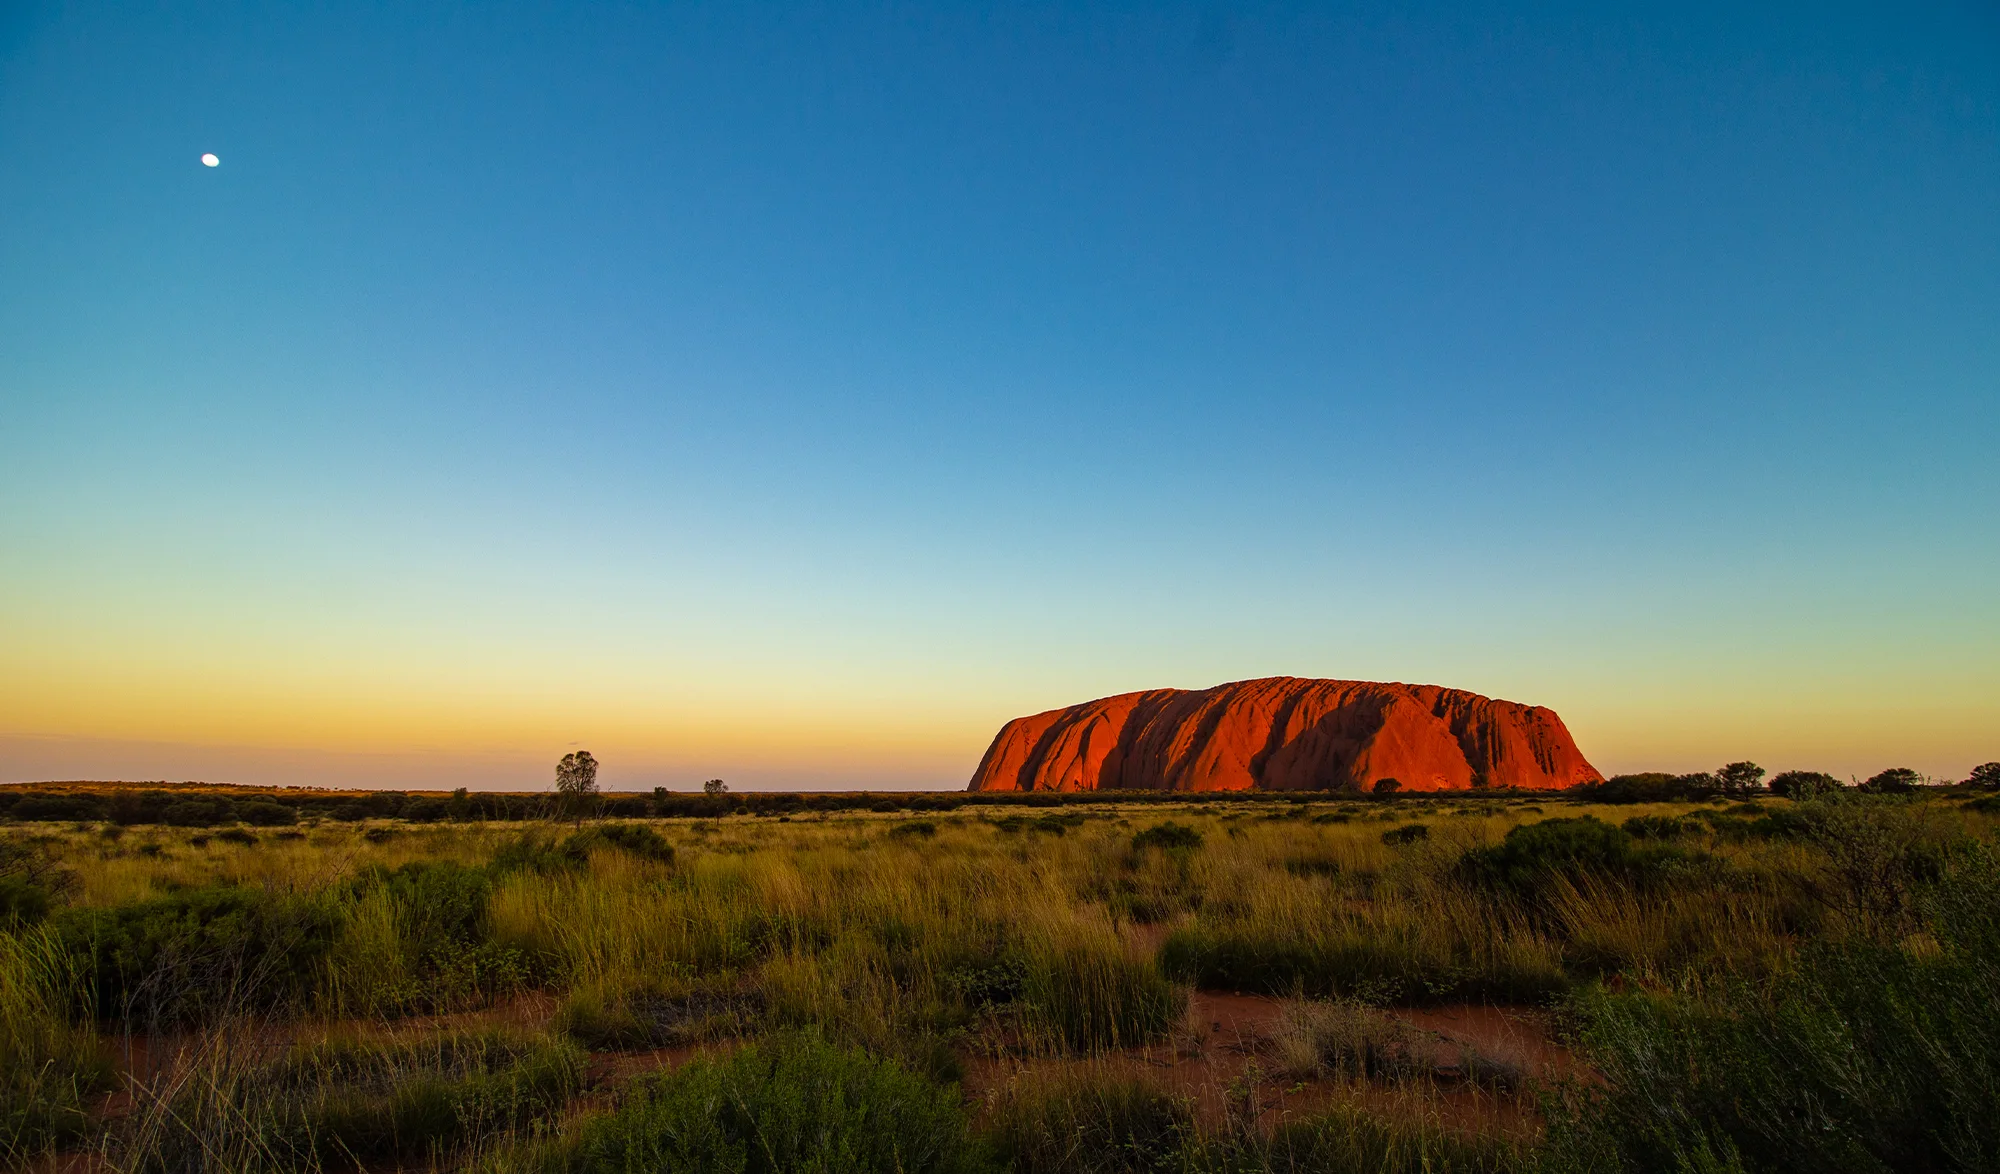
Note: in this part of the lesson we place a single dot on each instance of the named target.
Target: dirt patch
(1470, 1065)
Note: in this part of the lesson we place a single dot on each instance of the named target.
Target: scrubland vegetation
(1747, 983)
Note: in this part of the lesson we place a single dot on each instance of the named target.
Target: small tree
(1388, 786)
(1986, 774)
(1739, 778)
(1896, 780)
(1800, 785)
(715, 787)
(576, 783)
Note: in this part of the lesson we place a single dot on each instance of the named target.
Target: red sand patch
(1227, 1054)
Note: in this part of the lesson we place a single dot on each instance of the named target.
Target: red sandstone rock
(1286, 734)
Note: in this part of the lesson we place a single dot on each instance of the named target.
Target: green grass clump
(1533, 854)
(791, 1105)
(653, 1016)
(49, 1067)
(1088, 1123)
(1088, 993)
(1351, 1140)
(354, 1100)
(1864, 1056)
(1169, 837)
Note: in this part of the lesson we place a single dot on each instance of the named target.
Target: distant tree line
(220, 806)
(1747, 778)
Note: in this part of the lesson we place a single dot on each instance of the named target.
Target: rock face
(1286, 734)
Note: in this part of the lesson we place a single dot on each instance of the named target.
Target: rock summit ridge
(1286, 734)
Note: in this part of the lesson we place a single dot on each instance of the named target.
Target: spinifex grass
(345, 1100)
(1029, 935)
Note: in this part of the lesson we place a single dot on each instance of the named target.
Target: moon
(210, 161)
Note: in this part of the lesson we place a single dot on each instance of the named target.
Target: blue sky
(796, 393)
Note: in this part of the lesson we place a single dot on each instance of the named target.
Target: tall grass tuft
(346, 1101)
(49, 1068)
(790, 1105)
(1082, 1122)
(1862, 1056)
(1084, 990)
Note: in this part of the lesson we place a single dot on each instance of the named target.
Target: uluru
(1286, 734)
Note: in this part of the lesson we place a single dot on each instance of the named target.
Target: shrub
(57, 808)
(1087, 1123)
(793, 1103)
(1649, 787)
(649, 1018)
(1388, 786)
(1533, 853)
(1343, 1039)
(1659, 827)
(1862, 1057)
(196, 955)
(1800, 785)
(1986, 774)
(199, 813)
(915, 829)
(31, 882)
(1409, 833)
(1168, 837)
(426, 810)
(439, 955)
(536, 852)
(1897, 780)
(22, 902)
(634, 838)
(266, 815)
(1354, 961)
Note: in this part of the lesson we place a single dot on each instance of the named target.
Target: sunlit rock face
(1286, 734)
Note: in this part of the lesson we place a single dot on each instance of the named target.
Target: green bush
(638, 1019)
(1650, 787)
(32, 881)
(199, 813)
(792, 1105)
(22, 902)
(197, 955)
(1897, 780)
(442, 936)
(266, 815)
(1863, 1057)
(1659, 827)
(635, 838)
(1169, 837)
(1531, 854)
(1800, 785)
(1409, 833)
(1347, 963)
(1088, 1124)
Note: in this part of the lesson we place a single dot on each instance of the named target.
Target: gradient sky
(795, 393)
